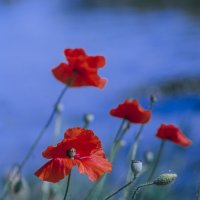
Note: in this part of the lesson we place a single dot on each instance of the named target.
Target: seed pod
(136, 167)
(153, 99)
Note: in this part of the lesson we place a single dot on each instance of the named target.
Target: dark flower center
(71, 153)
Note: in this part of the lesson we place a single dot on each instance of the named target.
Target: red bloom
(132, 111)
(172, 133)
(79, 147)
(81, 69)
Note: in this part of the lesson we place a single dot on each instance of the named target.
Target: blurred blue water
(141, 47)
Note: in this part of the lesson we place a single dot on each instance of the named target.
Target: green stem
(67, 188)
(157, 160)
(85, 126)
(136, 142)
(120, 189)
(139, 187)
(198, 193)
(39, 136)
(120, 131)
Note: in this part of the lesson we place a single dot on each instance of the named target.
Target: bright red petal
(74, 52)
(63, 73)
(172, 133)
(55, 170)
(94, 167)
(132, 111)
(96, 61)
(83, 140)
(82, 69)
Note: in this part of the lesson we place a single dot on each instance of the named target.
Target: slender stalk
(157, 160)
(120, 131)
(139, 187)
(85, 126)
(39, 136)
(67, 188)
(120, 189)
(136, 142)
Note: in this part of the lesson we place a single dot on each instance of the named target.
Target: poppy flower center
(71, 153)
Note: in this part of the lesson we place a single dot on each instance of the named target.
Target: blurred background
(151, 47)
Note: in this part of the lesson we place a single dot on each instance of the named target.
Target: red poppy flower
(132, 111)
(79, 147)
(81, 69)
(172, 133)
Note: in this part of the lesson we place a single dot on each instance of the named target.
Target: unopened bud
(59, 108)
(88, 118)
(149, 156)
(153, 99)
(165, 179)
(17, 186)
(122, 143)
(136, 167)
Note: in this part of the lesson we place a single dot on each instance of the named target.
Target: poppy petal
(132, 111)
(84, 141)
(172, 133)
(94, 167)
(55, 170)
(81, 70)
(63, 73)
(74, 52)
(97, 61)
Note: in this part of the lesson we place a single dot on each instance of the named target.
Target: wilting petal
(55, 170)
(132, 111)
(172, 133)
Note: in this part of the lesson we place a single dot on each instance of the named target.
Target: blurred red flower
(172, 133)
(132, 111)
(81, 69)
(79, 147)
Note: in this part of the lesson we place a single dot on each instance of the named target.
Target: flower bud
(88, 118)
(165, 179)
(153, 99)
(149, 156)
(59, 108)
(136, 167)
(122, 143)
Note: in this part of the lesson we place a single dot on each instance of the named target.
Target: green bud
(165, 179)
